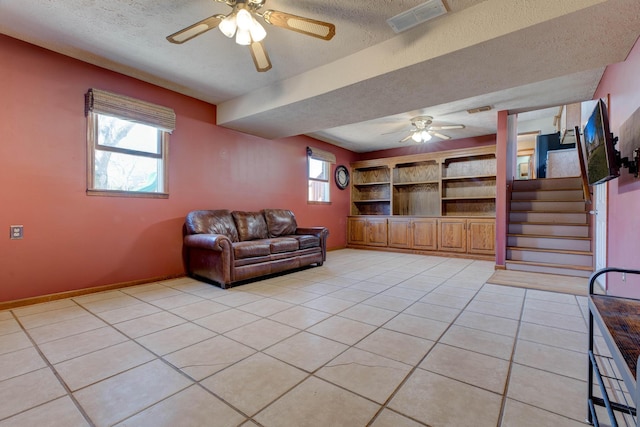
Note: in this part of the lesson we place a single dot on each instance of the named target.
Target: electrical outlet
(16, 232)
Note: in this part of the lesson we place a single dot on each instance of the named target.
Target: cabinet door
(424, 233)
(357, 231)
(399, 233)
(377, 232)
(481, 236)
(453, 235)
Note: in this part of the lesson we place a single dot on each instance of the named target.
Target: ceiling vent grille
(417, 15)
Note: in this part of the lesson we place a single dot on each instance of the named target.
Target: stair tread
(562, 251)
(549, 211)
(549, 200)
(527, 190)
(548, 264)
(549, 223)
(548, 236)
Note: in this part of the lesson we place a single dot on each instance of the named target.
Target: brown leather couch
(227, 247)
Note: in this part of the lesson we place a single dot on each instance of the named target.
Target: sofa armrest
(209, 256)
(321, 232)
(213, 242)
(316, 231)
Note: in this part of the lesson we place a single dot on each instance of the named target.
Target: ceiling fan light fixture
(244, 19)
(228, 26)
(243, 37)
(416, 137)
(258, 33)
(425, 136)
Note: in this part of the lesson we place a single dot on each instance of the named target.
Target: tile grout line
(54, 371)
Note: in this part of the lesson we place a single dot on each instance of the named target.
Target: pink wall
(622, 82)
(74, 241)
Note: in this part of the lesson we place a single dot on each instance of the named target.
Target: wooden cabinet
(443, 201)
(481, 236)
(367, 231)
(416, 233)
(472, 236)
(453, 235)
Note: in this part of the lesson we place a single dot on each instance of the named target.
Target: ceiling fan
(423, 130)
(241, 22)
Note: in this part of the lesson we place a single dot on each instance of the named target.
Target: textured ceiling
(360, 89)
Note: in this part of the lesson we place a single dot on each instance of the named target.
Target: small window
(319, 173)
(127, 152)
(319, 180)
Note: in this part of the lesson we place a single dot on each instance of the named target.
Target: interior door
(600, 237)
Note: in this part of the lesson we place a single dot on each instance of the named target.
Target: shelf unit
(469, 185)
(458, 183)
(371, 191)
(425, 203)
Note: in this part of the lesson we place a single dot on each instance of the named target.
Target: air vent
(479, 109)
(417, 15)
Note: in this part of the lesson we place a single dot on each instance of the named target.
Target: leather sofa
(227, 247)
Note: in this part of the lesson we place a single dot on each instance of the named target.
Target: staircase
(549, 228)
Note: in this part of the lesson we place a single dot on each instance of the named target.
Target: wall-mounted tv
(602, 158)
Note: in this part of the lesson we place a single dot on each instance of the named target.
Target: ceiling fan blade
(406, 138)
(260, 57)
(439, 135)
(308, 26)
(196, 29)
(446, 127)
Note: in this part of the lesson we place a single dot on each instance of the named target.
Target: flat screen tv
(602, 158)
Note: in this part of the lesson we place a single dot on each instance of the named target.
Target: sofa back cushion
(212, 222)
(250, 225)
(280, 222)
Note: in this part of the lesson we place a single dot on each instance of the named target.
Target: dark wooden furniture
(618, 320)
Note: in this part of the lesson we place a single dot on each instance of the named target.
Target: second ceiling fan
(423, 130)
(242, 24)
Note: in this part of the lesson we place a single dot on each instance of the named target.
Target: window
(319, 173)
(127, 144)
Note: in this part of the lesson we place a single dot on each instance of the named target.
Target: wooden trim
(78, 292)
(436, 155)
(437, 253)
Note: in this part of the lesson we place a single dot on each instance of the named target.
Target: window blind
(127, 108)
(318, 154)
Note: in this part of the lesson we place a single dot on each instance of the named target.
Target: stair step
(547, 195)
(548, 205)
(562, 257)
(549, 217)
(560, 230)
(549, 268)
(570, 243)
(570, 183)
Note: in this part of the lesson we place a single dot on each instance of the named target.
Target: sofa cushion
(251, 249)
(306, 241)
(282, 244)
(211, 222)
(280, 222)
(250, 225)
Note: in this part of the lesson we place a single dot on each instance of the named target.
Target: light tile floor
(370, 338)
